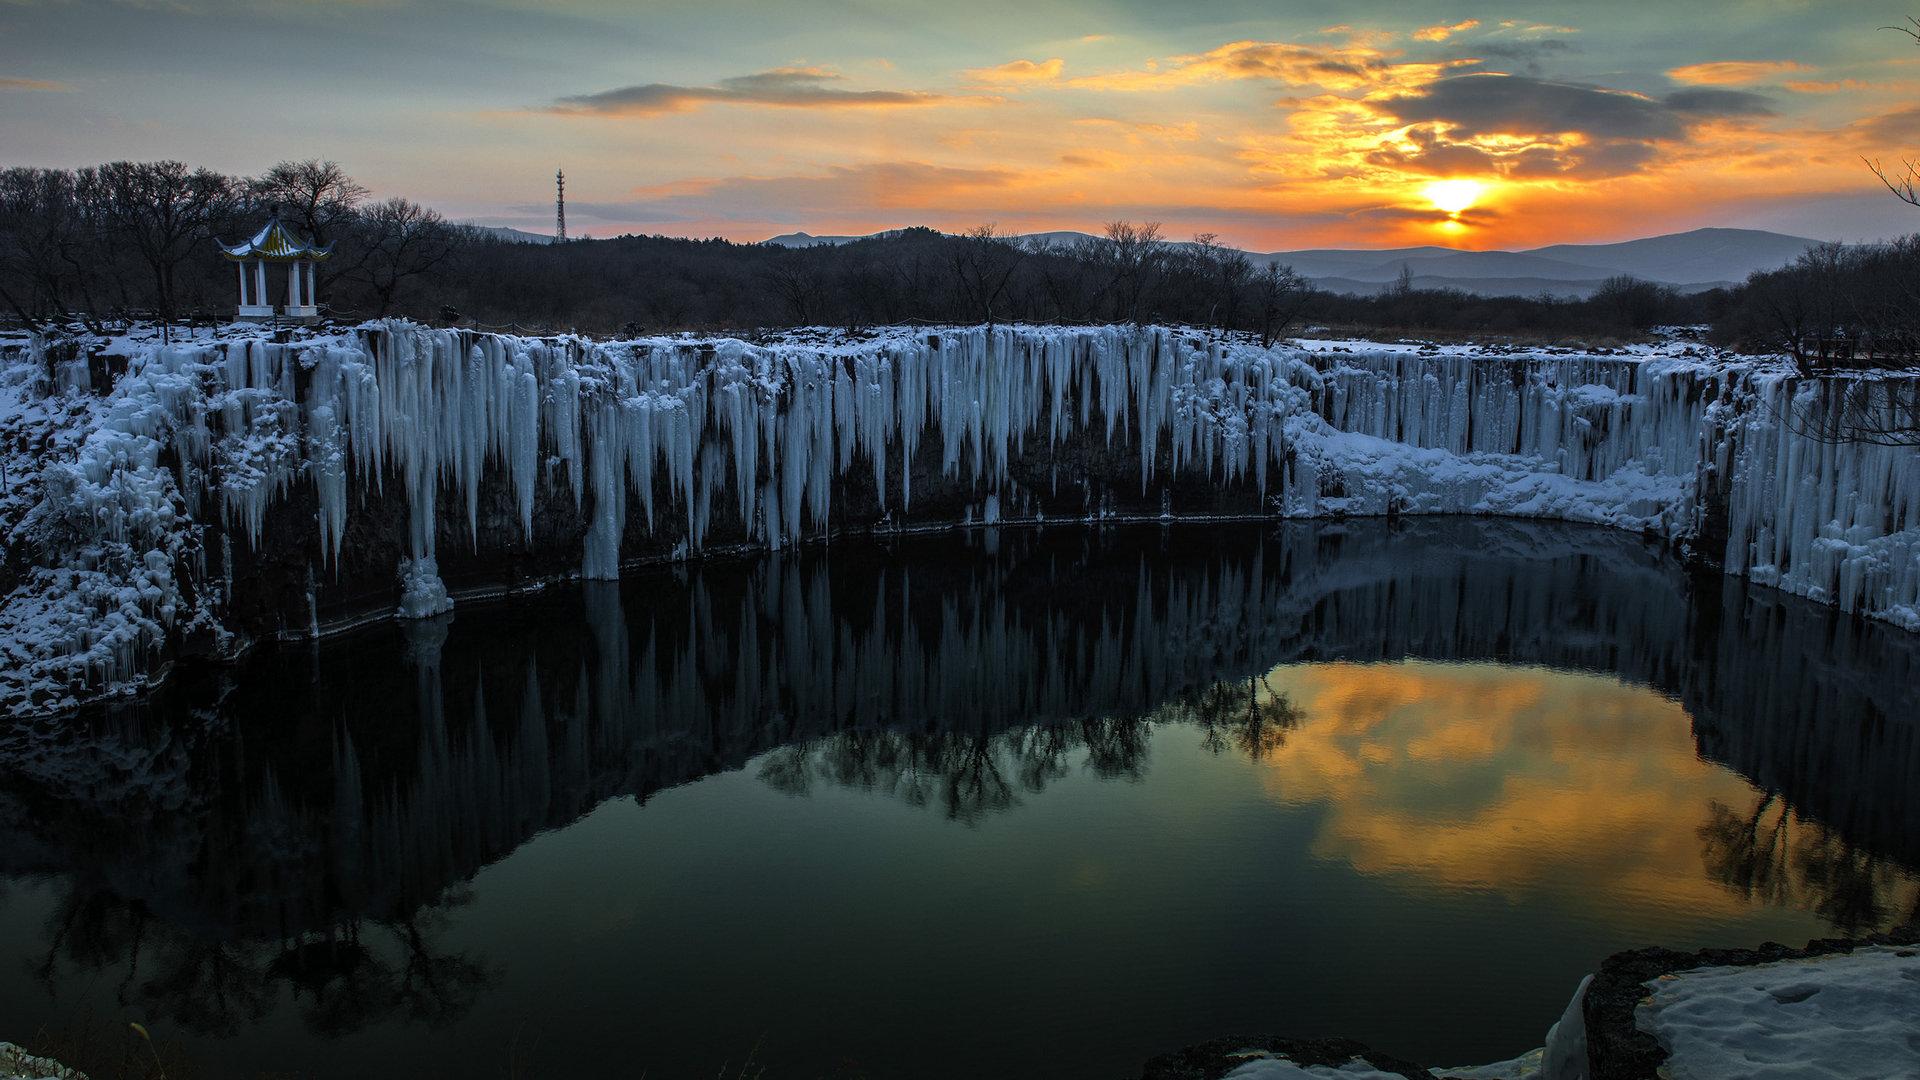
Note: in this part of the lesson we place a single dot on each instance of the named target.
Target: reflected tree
(1745, 853)
(435, 988)
(1043, 754)
(342, 982)
(971, 774)
(1116, 746)
(341, 986)
(208, 987)
(1250, 716)
(93, 929)
(1774, 856)
(1850, 887)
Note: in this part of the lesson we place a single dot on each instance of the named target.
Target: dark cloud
(1708, 102)
(1472, 217)
(1900, 127)
(1470, 124)
(800, 88)
(1489, 104)
(1529, 56)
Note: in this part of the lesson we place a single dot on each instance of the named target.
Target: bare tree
(1282, 293)
(1634, 303)
(320, 199)
(404, 240)
(796, 278)
(1133, 256)
(869, 287)
(983, 263)
(1402, 282)
(1227, 272)
(40, 240)
(161, 210)
(1069, 289)
(318, 196)
(1905, 184)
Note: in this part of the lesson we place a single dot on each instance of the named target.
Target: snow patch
(1279, 1068)
(1844, 1016)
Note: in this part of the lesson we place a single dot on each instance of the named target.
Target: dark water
(1026, 805)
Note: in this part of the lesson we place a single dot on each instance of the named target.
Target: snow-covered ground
(127, 494)
(1835, 1016)
(1843, 1016)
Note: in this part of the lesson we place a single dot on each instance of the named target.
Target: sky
(1274, 125)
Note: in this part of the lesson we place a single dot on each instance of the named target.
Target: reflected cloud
(304, 836)
(1530, 782)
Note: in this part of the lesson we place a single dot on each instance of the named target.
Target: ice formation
(199, 439)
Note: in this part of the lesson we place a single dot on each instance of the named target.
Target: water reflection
(295, 841)
(1774, 855)
(1529, 781)
(966, 774)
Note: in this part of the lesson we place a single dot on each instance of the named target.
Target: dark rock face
(1212, 1060)
(284, 587)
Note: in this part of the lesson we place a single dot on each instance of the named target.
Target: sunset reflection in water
(1541, 783)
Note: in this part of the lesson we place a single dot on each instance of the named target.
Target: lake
(1008, 803)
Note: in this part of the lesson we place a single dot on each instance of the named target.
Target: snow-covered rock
(149, 496)
(17, 1064)
(1841, 1016)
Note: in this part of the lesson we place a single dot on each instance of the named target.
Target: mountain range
(1690, 261)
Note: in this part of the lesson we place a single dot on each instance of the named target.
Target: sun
(1454, 196)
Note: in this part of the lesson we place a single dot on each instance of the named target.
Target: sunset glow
(1454, 196)
(1270, 128)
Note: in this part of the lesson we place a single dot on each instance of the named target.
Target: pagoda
(276, 243)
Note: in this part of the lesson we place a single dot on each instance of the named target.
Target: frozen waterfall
(661, 438)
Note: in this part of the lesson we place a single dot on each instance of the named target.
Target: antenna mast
(560, 207)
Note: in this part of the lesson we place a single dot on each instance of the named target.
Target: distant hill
(517, 236)
(803, 240)
(1682, 258)
(1691, 261)
(1496, 286)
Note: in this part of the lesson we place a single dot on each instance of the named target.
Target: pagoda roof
(275, 242)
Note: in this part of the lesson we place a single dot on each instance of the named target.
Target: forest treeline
(136, 239)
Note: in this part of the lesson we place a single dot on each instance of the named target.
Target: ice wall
(139, 523)
(1816, 493)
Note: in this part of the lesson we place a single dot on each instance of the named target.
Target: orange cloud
(12, 83)
(1734, 72)
(1347, 66)
(1530, 783)
(1016, 72)
(1328, 140)
(1815, 86)
(1442, 33)
(1535, 29)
